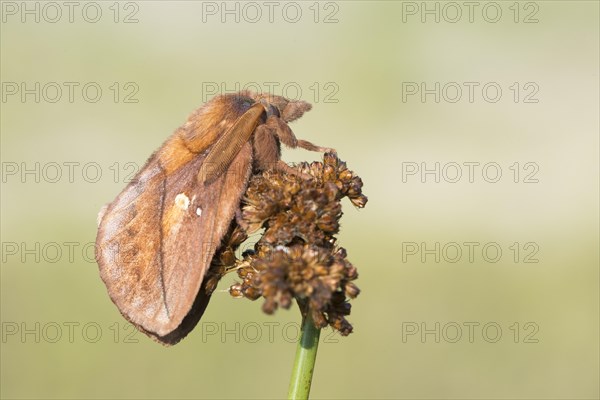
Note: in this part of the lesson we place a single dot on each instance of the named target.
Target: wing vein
(161, 265)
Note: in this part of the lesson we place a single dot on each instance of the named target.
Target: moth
(157, 239)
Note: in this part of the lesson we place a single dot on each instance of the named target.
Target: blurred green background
(527, 329)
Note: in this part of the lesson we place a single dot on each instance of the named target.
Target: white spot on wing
(198, 211)
(182, 201)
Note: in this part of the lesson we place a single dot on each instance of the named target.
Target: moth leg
(268, 152)
(287, 137)
(305, 144)
(283, 132)
(266, 148)
(282, 166)
(239, 219)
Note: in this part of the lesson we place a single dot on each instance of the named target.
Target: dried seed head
(297, 256)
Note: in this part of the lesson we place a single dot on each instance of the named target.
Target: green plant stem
(304, 364)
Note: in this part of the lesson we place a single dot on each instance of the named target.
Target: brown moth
(157, 239)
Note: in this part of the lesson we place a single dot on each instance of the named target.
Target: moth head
(287, 110)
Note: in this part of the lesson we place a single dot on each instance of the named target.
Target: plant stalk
(306, 354)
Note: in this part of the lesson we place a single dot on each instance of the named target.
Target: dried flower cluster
(297, 256)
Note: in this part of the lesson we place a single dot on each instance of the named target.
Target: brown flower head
(297, 256)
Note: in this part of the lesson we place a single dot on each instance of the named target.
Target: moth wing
(229, 144)
(157, 238)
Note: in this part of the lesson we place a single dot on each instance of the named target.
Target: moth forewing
(157, 238)
(230, 143)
